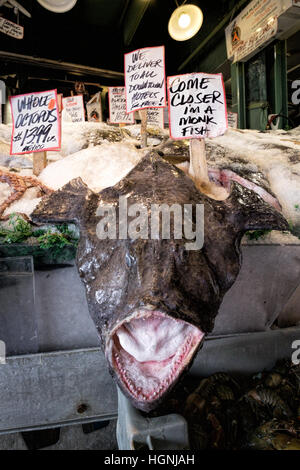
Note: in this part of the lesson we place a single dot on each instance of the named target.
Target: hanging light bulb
(185, 22)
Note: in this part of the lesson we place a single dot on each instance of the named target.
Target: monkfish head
(153, 290)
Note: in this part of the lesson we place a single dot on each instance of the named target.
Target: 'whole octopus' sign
(36, 124)
(197, 106)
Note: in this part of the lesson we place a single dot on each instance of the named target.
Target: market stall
(150, 233)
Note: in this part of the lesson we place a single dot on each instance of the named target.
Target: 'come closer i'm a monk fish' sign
(145, 80)
(197, 106)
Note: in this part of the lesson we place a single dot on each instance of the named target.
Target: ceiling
(98, 32)
(88, 42)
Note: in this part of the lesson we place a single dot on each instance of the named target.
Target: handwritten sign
(36, 125)
(233, 120)
(74, 108)
(155, 117)
(117, 106)
(11, 29)
(197, 106)
(145, 78)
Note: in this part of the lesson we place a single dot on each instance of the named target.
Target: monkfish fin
(65, 205)
(250, 212)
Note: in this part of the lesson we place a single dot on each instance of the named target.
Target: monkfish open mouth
(149, 351)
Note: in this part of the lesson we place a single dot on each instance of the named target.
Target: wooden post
(39, 162)
(198, 164)
(143, 114)
(198, 171)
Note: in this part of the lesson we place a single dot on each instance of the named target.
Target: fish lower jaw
(176, 366)
(133, 355)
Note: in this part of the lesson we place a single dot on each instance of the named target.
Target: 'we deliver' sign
(145, 80)
(197, 106)
(36, 124)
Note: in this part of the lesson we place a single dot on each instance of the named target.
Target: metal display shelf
(56, 389)
(40, 391)
(68, 382)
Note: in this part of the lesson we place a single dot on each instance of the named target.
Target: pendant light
(57, 6)
(185, 22)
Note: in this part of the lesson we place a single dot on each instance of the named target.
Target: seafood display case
(18, 320)
(58, 381)
(61, 375)
(242, 356)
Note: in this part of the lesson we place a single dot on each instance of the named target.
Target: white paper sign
(233, 120)
(155, 117)
(117, 106)
(11, 29)
(197, 106)
(36, 124)
(74, 108)
(145, 80)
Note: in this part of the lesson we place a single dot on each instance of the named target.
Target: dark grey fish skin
(122, 276)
